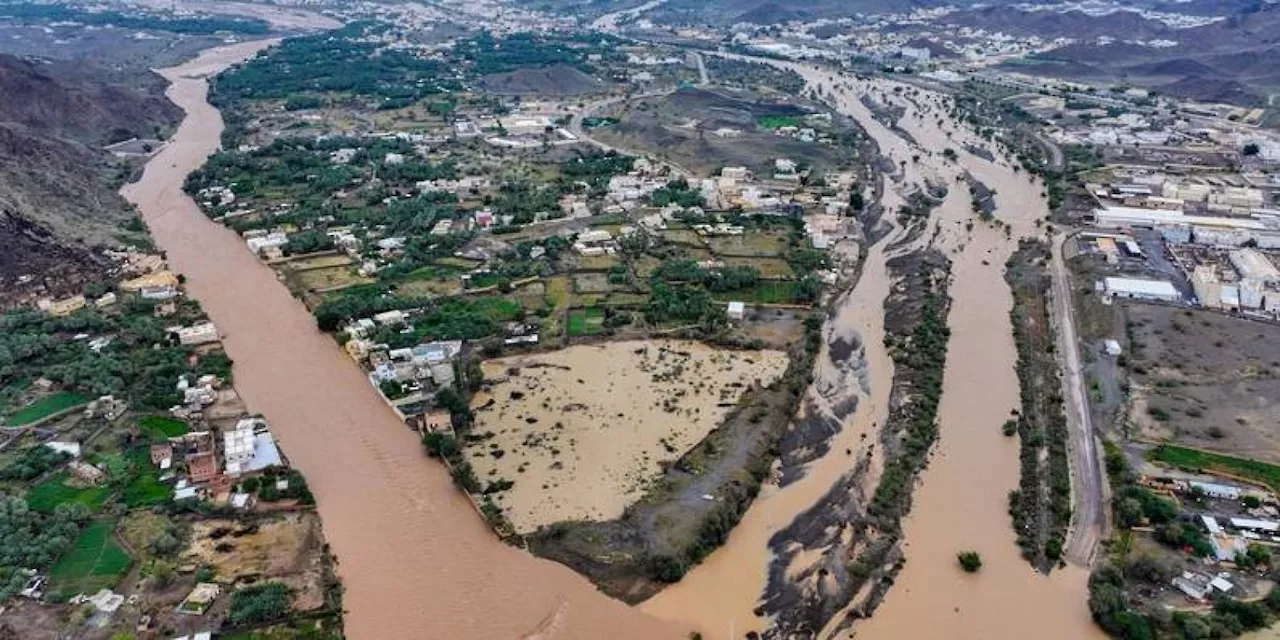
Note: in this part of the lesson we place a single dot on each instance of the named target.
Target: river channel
(415, 558)
(960, 502)
(418, 562)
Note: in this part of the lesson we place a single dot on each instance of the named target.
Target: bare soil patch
(1205, 380)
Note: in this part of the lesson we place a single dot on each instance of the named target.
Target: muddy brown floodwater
(961, 501)
(416, 560)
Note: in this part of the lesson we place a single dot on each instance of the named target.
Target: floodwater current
(418, 562)
(415, 558)
(960, 502)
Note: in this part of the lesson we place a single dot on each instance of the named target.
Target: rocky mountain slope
(58, 200)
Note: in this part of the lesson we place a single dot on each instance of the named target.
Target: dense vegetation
(195, 25)
(33, 540)
(921, 354)
(487, 53)
(31, 463)
(1198, 461)
(141, 363)
(679, 193)
(1041, 506)
(260, 603)
(337, 61)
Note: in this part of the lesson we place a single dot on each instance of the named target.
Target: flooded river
(961, 500)
(416, 560)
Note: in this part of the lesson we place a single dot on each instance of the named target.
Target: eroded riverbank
(415, 558)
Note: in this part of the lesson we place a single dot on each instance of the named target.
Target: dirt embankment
(854, 530)
(1041, 506)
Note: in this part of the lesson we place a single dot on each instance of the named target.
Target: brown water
(961, 500)
(415, 558)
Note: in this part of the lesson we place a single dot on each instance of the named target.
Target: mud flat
(415, 558)
(584, 431)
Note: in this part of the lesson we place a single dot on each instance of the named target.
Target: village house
(107, 408)
(72, 449)
(197, 334)
(736, 310)
(162, 454)
(259, 241)
(163, 292)
(202, 467)
(200, 598)
(86, 473)
(158, 279)
(249, 447)
(198, 453)
(437, 421)
(64, 307)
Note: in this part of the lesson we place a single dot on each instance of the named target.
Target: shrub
(970, 561)
(260, 603)
(665, 568)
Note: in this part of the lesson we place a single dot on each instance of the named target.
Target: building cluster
(141, 275)
(1233, 519)
(1219, 234)
(408, 377)
(785, 192)
(206, 464)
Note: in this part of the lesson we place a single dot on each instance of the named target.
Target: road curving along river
(415, 559)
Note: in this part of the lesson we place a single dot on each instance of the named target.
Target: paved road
(1057, 161)
(1088, 486)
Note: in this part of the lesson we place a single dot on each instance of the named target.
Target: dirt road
(1089, 517)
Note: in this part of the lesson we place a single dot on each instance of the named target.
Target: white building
(246, 450)
(259, 244)
(1220, 491)
(391, 318)
(201, 333)
(1252, 264)
(736, 310)
(1270, 527)
(1141, 289)
(1112, 347)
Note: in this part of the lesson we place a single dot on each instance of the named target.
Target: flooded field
(583, 431)
(415, 559)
